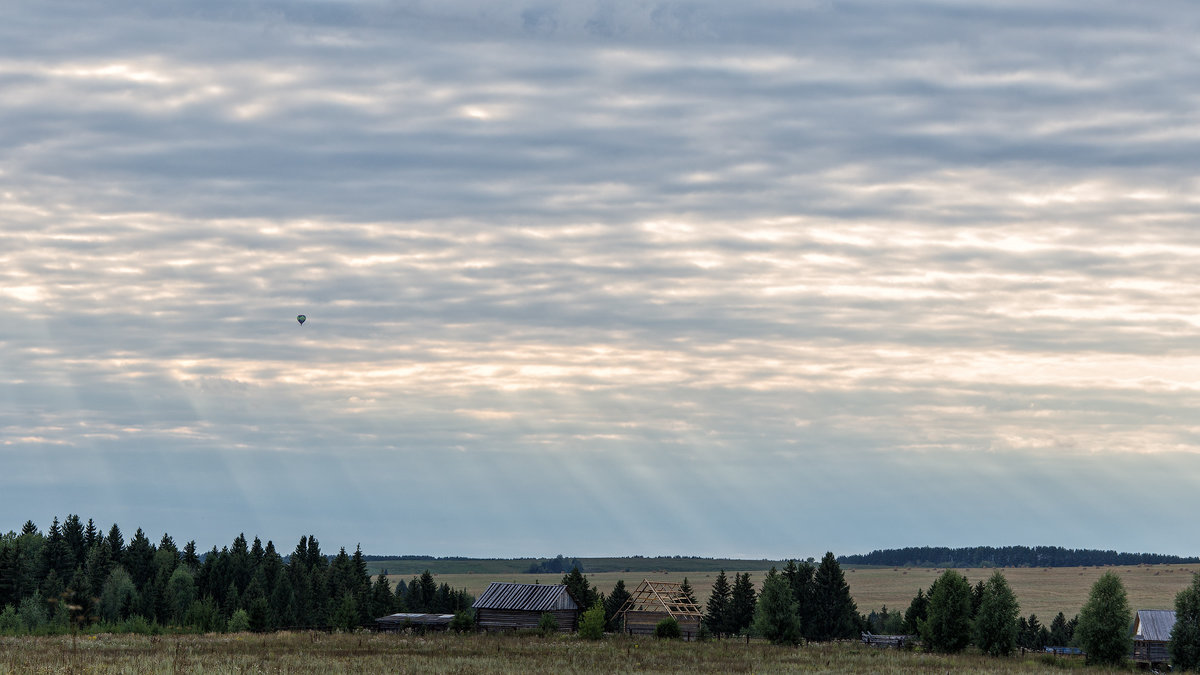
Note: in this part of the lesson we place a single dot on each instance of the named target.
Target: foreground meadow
(474, 653)
(1044, 591)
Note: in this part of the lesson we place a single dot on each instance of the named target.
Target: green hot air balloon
(301, 318)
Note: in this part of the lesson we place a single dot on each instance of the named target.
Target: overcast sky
(603, 277)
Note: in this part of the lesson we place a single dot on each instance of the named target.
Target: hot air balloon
(301, 318)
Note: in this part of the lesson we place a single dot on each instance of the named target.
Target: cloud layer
(606, 277)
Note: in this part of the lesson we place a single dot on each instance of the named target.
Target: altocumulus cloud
(654, 277)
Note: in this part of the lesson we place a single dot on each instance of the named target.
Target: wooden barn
(507, 606)
(1151, 633)
(653, 601)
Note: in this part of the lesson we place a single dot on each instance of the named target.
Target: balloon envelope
(301, 318)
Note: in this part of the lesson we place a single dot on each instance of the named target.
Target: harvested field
(1044, 591)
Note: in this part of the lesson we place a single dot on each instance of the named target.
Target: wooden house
(1151, 633)
(653, 601)
(508, 606)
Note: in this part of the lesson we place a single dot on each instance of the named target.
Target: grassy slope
(448, 653)
(503, 566)
(1042, 591)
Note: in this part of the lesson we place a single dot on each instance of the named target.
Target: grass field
(407, 567)
(1044, 591)
(302, 653)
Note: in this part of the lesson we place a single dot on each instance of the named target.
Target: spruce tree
(116, 544)
(1104, 622)
(717, 614)
(1184, 646)
(800, 576)
(579, 588)
(613, 604)
(741, 604)
(685, 589)
(834, 613)
(1059, 634)
(918, 611)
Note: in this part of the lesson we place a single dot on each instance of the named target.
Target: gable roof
(526, 597)
(1154, 625)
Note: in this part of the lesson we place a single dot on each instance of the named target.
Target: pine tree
(1104, 622)
(996, 620)
(1185, 636)
(717, 614)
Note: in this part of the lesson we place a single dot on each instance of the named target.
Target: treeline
(556, 565)
(74, 574)
(1007, 556)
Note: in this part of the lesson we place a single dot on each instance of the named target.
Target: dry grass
(1042, 591)
(448, 653)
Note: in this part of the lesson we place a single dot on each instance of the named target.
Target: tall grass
(472, 653)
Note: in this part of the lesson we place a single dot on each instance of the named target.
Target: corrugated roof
(414, 618)
(526, 597)
(1154, 624)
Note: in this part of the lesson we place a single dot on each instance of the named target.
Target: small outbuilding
(406, 621)
(509, 606)
(652, 602)
(1151, 633)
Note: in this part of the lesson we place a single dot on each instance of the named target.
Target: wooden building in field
(413, 621)
(1151, 633)
(508, 606)
(653, 601)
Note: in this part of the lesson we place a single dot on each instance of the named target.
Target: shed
(509, 606)
(401, 621)
(1151, 633)
(654, 601)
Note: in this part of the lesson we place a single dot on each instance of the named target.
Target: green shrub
(591, 626)
(137, 624)
(239, 622)
(462, 622)
(547, 625)
(10, 621)
(667, 629)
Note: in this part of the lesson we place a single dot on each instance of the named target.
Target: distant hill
(411, 565)
(1007, 556)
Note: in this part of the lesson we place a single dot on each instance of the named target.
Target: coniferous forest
(77, 575)
(1007, 556)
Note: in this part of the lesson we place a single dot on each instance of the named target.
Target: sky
(603, 277)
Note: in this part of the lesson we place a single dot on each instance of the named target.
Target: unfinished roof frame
(661, 596)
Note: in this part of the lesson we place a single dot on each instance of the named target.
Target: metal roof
(419, 619)
(526, 597)
(1154, 624)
